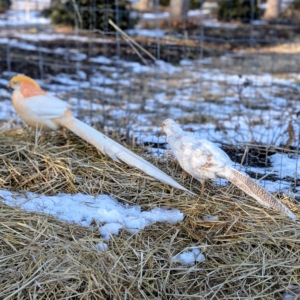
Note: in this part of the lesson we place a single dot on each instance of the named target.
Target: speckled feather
(204, 160)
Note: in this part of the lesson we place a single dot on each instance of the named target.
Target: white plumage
(38, 109)
(204, 160)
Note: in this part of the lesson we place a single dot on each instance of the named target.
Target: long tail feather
(116, 151)
(254, 190)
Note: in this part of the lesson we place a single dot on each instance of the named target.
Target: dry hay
(251, 253)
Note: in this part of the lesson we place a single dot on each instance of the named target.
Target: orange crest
(29, 87)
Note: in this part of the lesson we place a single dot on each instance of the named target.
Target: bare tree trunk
(273, 10)
(179, 9)
(144, 4)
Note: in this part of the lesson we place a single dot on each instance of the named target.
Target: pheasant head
(26, 85)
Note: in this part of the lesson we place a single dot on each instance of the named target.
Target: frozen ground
(101, 213)
(109, 216)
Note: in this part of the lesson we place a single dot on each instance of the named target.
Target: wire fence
(234, 83)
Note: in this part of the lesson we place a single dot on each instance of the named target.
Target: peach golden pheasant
(204, 160)
(37, 109)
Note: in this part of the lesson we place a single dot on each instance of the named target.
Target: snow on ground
(101, 213)
(256, 115)
(285, 166)
(166, 15)
(189, 257)
(110, 215)
(218, 104)
(155, 16)
(155, 33)
(54, 37)
(23, 17)
(30, 4)
(278, 186)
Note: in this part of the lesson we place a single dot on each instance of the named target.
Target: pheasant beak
(9, 85)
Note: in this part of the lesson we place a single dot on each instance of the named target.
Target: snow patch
(84, 209)
(189, 257)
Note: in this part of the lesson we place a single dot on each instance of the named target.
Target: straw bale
(251, 252)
